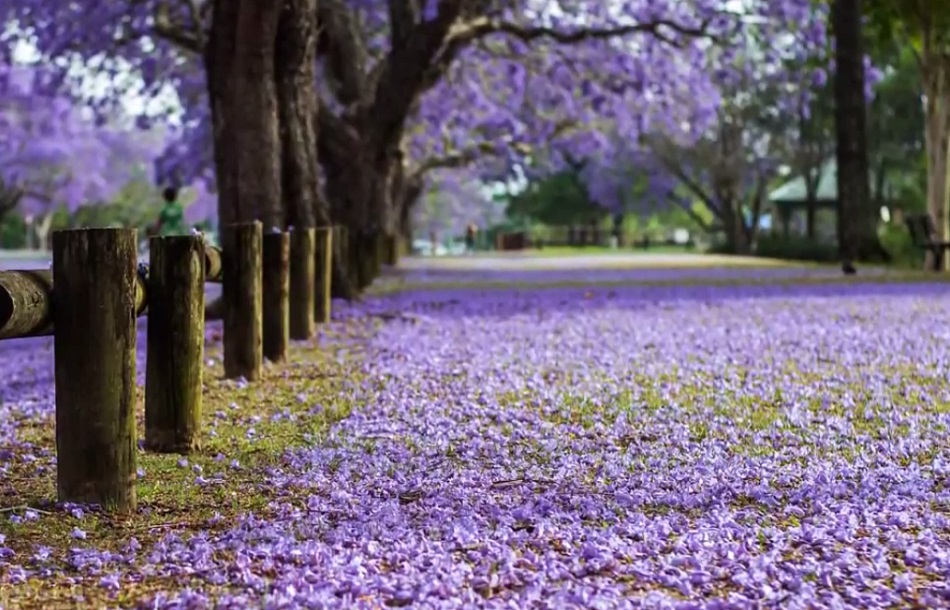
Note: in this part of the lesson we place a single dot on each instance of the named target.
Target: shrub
(796, 248)
(896, 240)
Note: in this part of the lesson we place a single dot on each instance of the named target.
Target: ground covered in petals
(668, 446)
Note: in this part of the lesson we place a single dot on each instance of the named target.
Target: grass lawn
(760, 443)
(589, 250)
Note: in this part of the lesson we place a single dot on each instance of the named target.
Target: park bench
(922, 234)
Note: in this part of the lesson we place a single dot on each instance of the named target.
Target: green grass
(589, 250)
(888, 277)
(279, 409)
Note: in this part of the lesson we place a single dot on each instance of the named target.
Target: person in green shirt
(171, 220)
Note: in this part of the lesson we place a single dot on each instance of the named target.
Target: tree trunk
(857, 226)
(412, 190)
(366, 217)
(42, 229)
(296, 96)
(937, 140)
(811, 204)
(240, 66)
(218, 56)
(751, 230)
(342, 160)
(734, 228)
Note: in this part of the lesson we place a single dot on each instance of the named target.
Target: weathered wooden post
(241, 292)
(302, 277)
(26, 304)
(176, 337)
(276, 285)
(323, 274)
(391, 250)
(94, 314)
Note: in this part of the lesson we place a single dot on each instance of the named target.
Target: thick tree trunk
(218, 57)
(239, 62)
(294, 67)
(857, 225)
(296, 58)
(345, 188)
(255, 158)
(359, 196)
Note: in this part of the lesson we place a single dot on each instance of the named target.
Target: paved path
(625, 260)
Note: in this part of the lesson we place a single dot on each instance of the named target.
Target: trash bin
(614, 242)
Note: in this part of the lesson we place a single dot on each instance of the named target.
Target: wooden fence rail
(89, 303)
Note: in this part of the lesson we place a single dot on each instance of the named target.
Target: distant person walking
(171, 220)
(471, 232)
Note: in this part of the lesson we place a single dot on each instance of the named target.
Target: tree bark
(857, 225)
(256, 136)
(935, 71)
(218, 57)
(296, 96)
(239, 61)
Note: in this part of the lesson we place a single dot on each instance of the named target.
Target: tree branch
(470, 154)
(683, 176)
(485, 26)
(687, 207)
(193, 41)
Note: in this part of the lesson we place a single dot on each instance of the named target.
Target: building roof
(793, 191)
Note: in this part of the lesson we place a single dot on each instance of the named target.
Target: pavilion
(789, 203)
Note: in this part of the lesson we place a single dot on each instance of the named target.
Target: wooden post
(212, 264)
(241, 292)
(175, 350)
(26, 303)
(391, 250)
(94, 272)
(361, 255)
(324, 274)
(341, 239)
(379, 253)
(302, 290)
(276, 313)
